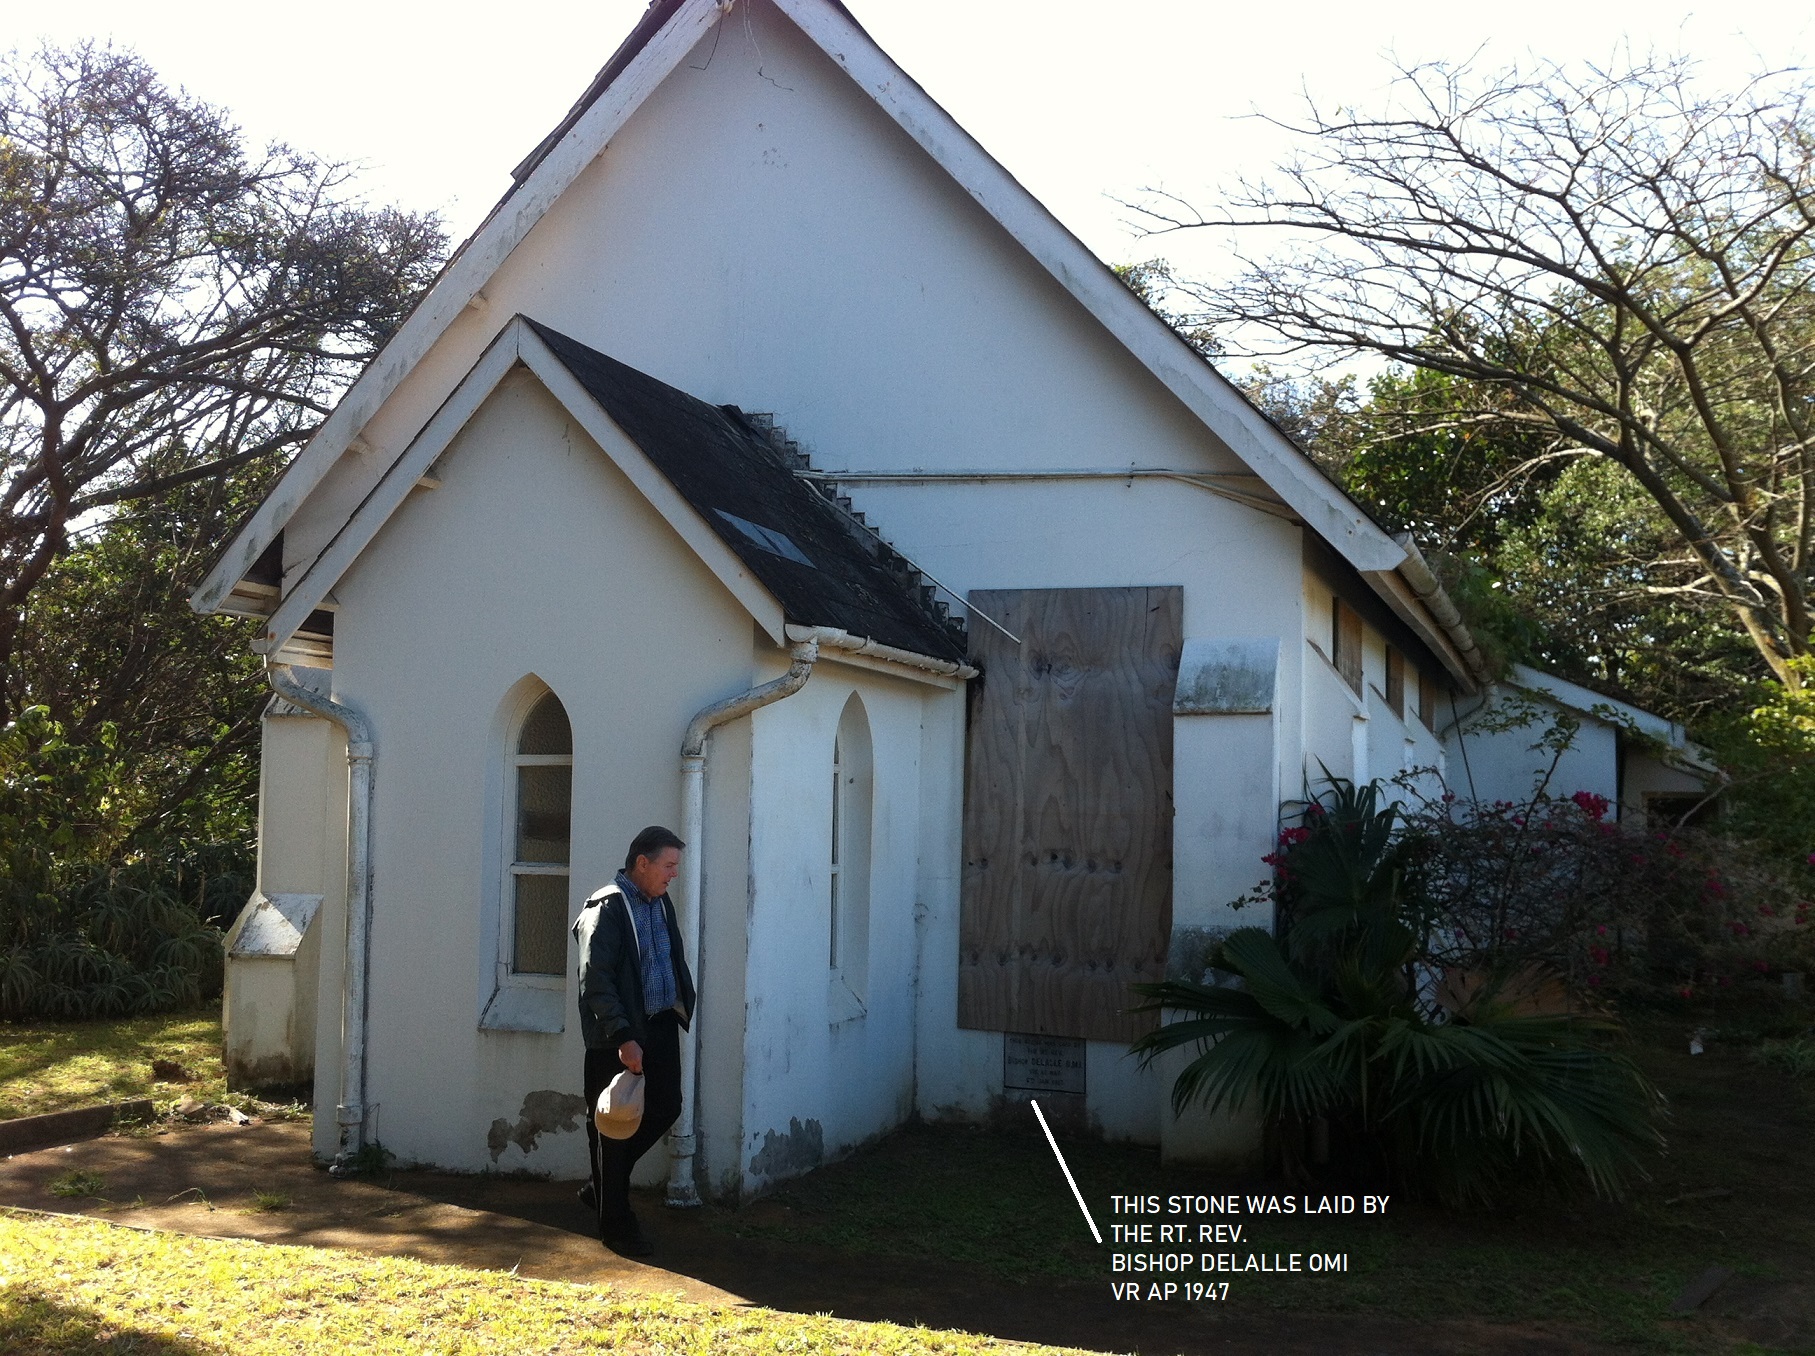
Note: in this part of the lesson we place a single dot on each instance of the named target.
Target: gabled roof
(822, 567)
(1671, 738)
(662, 40)
(782, 548)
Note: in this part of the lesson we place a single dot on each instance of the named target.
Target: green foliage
(1795, 1055)
(1767, 746)
(174, 304)
(77, 1183)
(372, 1160)
(180, 310)
(1573, 258)
(1554, 557)
(1334, 1022)
(79, 938)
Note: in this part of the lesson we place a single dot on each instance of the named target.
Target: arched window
(852, 802)
(541, 793)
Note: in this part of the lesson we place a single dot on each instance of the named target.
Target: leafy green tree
(174, 306)
(1556, 558)
(1608, 264)
(109, 647)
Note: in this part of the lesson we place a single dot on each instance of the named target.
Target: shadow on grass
(32, 1324)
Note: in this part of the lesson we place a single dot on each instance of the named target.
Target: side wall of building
(829, 1050)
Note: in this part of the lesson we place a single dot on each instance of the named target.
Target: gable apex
(787, 553)
(666, 36)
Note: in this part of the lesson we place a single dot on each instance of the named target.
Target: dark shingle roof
(823, 567)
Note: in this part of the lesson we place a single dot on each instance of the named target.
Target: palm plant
(1335, 1022)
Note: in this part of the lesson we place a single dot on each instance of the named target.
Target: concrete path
(201, 1180)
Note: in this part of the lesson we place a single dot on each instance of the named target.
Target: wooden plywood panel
(1345, 643)
(1067, 892)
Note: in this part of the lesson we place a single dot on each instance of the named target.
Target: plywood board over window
(1067, 895)
(1345, 642)
(1427, 701)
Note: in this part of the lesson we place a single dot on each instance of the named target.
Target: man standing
(636, 995)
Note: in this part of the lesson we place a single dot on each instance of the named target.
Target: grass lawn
(74, 1286)
(1732, 1190)
(54, 1066)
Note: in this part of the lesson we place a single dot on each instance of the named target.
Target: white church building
(767, 414)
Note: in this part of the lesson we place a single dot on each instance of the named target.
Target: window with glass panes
(542, 829)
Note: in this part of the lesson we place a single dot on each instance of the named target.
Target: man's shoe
(587, 1197)
(629, 1241)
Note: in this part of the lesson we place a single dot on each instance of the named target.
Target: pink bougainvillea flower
(1594, 981)
(1763, 967)
(1740, 929)
(1600, 929)
(1599, 955)
(1767, 911)
(1685, 992)
(1595, 807)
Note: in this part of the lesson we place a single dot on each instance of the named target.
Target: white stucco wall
(824, 1071)
(268, 1012)
(1491, 764)
(535, 557)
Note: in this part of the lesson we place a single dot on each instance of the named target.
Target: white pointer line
(1066, 1169)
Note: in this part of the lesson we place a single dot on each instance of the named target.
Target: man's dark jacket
(611, 971)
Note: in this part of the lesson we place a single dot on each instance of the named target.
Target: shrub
(1340, 1022)
(1553, 884)
(82, 938)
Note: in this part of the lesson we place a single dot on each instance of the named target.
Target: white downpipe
(350, 1114)
(683, 1192)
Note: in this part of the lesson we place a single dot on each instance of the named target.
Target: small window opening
(1427, 701)
(1395, 682)
(1345, 642)
(541, 840)
(853, 799)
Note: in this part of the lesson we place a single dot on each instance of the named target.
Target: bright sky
(1084, 102)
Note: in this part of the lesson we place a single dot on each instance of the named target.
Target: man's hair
(649, 843)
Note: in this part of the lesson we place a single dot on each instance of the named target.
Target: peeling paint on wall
(1188, 956)
(783, 1155)
(544, 1112)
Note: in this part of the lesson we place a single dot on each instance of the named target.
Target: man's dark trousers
(612, 1159)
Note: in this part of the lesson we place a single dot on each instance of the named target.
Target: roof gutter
(1430, 594)
(831, 638)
